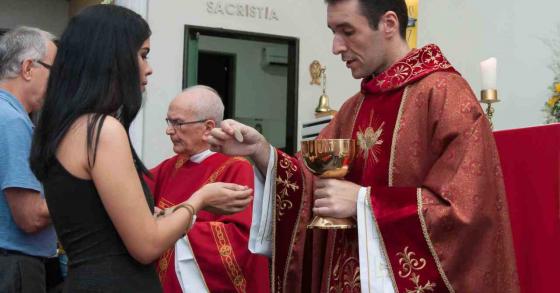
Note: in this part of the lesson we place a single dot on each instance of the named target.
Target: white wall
(512, 31)
(49, 15)
(305, 20)
(260, 92)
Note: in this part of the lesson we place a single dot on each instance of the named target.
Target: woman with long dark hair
(99, 204)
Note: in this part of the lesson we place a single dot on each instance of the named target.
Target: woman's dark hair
(95, 72)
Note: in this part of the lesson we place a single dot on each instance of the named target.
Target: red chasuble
(219, 243)
(427, 154)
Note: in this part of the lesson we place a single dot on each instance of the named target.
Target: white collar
(198, 158)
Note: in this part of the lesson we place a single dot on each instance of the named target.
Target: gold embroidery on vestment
(429, 241)
(410, 266)
(346, 270)
(282, 202)
(227, 256)
(369, 141)
(398, 125)
(181, 160)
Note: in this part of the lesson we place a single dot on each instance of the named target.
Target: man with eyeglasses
(214, 255)
(26, 234)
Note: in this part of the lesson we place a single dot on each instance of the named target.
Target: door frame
(193, 32)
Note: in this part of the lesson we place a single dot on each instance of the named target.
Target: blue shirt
(16, 131)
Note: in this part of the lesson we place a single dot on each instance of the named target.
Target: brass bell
(323, 106)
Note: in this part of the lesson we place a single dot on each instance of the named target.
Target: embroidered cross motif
(285, 185)
(281, 197)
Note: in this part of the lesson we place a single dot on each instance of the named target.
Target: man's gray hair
(20, 44)
(208, 105)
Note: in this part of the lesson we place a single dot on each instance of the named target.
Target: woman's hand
(221, 198)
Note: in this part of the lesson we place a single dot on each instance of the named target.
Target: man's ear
(26, 68)
(208, 126)
(389, 23)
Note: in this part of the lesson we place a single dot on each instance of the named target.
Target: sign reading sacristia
(241, 10)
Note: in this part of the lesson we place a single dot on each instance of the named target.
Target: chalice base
(331, 223)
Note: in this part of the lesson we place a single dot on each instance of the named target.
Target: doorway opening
(255, 75)
(217, 70)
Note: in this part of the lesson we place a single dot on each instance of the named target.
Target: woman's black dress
(97, 258)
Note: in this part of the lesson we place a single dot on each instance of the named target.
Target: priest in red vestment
(426, 186)
(213, 257)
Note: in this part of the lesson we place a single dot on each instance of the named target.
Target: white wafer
(237, 134)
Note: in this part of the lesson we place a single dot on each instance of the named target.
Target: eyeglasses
(177, 123)
(47, 66)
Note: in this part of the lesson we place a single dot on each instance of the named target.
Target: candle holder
(489, 97)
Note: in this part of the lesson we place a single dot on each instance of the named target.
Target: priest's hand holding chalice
(329, 158)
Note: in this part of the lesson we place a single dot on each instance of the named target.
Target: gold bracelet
(187, 206)
(191, 208)
(161, 213)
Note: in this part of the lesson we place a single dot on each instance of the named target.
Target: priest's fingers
(215, 143)
(323, 211)
(334, 211)
(322, 202)
(325, 182)
(233, 129)
(218, 134)
(322, 192)
(319, 183)
(228, 125)
(240, 132)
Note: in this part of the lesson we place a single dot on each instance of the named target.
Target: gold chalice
(329, 158)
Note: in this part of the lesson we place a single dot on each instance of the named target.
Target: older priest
(213, 256)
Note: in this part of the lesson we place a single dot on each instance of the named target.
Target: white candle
(488, 71)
